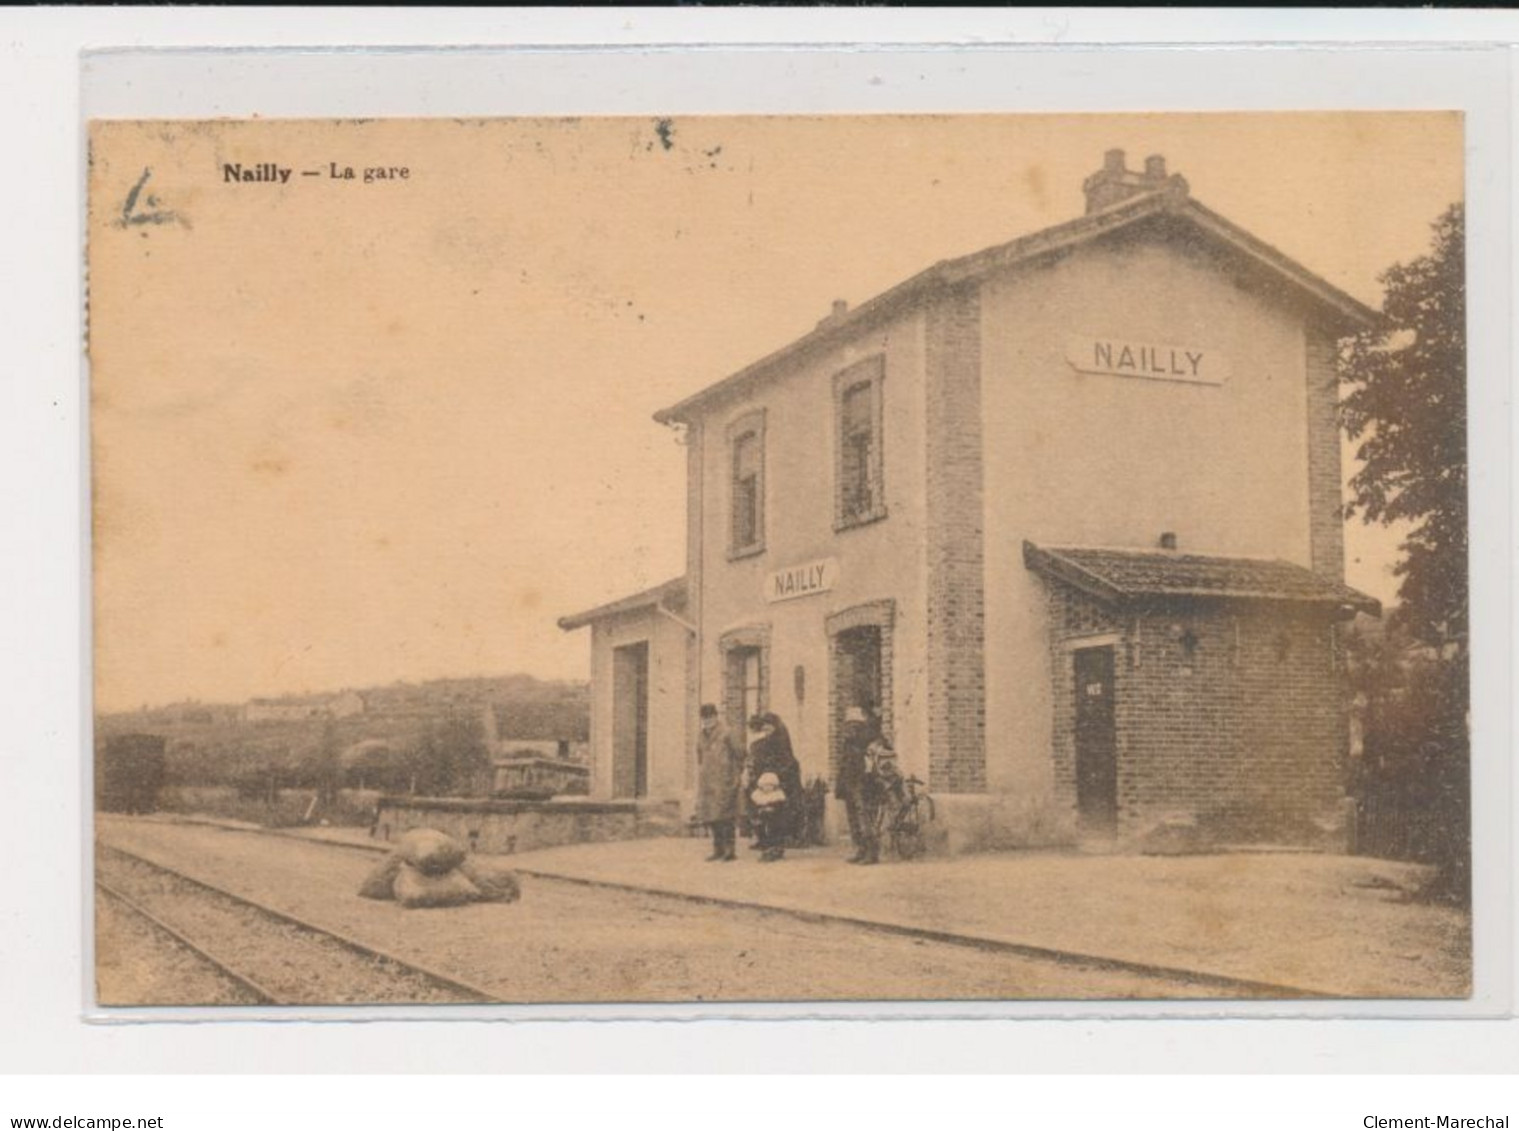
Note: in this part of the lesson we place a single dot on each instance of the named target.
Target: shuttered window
(746, 440)
(860, 494)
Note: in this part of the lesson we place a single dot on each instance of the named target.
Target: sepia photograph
(794, 559)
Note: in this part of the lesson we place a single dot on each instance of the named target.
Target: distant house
(506, 736)
(281, 710)
(343, 706)
(556, 749)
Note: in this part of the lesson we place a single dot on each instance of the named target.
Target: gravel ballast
(139, 964)
(296, 965)
(567, 942)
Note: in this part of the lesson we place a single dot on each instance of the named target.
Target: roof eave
(1353, 602)
(1347, 312)
(634, 603)
(825, 332)
(1351, 312)
(584, 620)
(1053, 565)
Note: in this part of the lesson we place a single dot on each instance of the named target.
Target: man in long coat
(719, 768)
(854, 785)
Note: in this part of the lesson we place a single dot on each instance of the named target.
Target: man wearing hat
(719, 762)
(854, 785)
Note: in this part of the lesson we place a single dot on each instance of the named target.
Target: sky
(345, 434)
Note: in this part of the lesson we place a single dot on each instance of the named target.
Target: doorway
(859, 669)
(745, 696)
(858, 678)
(630, 720)
(1096, 742)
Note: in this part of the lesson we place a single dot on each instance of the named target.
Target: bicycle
(904, 809)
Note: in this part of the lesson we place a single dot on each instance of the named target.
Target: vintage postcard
(969, 558)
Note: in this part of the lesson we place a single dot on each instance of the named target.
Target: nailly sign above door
(1117, 357)
(802, 580)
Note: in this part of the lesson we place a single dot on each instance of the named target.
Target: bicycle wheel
(907, 839)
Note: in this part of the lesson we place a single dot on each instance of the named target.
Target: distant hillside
(216, 742)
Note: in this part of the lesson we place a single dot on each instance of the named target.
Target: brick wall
(1326, 528)
(956, 667)
(1232, 716)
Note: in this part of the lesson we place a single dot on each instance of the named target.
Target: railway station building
(1065, 513)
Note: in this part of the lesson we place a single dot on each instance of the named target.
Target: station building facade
(1065, 513)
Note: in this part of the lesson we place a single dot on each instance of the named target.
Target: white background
(44, 599)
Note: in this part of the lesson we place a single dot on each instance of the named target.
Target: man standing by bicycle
(855, 787)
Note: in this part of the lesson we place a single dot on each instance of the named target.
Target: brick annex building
(1065, 512)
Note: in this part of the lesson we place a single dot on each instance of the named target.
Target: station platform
(1291, 924)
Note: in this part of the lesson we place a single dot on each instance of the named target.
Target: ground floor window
(746, 681)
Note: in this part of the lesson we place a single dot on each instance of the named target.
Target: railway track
(1166, 980)
(235, 988)
(275, 957)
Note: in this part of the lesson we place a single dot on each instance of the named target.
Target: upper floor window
(860, 495)
(746, 442)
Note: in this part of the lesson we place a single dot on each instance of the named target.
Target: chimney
(1115, 182)
(840, 308)
(1168, 541)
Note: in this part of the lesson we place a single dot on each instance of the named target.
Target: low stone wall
(505, 827)
(999, 822)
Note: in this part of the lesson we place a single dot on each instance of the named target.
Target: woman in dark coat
(770, 753)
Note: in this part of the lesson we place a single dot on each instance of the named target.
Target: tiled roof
(1119, 575)
(671, 596)
(556, 763)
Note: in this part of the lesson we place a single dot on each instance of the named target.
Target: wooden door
(630, 720)
(1096, 741)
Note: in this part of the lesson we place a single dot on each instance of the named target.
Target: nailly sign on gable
(1117, 357)
(802, 580)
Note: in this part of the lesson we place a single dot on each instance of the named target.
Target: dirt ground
(571, 943)
(1338, 925)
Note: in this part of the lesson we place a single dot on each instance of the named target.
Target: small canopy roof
(1118, 576)
(671, 596)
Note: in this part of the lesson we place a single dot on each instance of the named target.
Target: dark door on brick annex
(630, 720)
(1096, 741)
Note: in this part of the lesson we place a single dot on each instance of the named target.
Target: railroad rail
(1243, 988)
(261, 996)
(465, 991)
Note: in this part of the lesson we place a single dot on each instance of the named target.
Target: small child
(769, 812)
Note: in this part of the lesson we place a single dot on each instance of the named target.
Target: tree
(450, 758)
(1405, 407)
(1405, 404)
(462, 736)
(328, 768)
